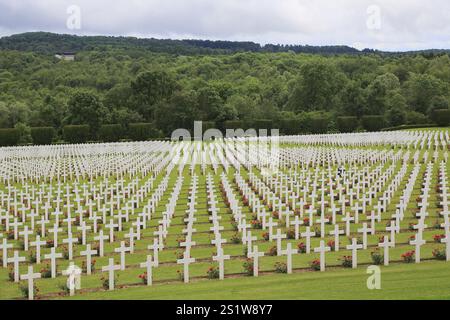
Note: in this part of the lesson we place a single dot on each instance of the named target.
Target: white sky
(382, 24)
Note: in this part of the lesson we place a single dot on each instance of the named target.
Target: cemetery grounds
(231, 206)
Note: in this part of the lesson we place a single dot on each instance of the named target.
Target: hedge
(110, 132)
(76, 133)
(441, 117)
(42, 135)
(347, 124)
(319, 124)
(9, 137)
(373, 123)
(142, 131)
(290, 126)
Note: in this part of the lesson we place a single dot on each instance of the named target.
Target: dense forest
(144, 88)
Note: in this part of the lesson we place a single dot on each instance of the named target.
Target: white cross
(322, 222)
(53, 256)
(308, 234)
(55, 231)
(255, 256)
(83, 228)
(148, 265)
(296, 223)
(88, 253)
(111, 227)
(186, 261)
(30, 276)
(70, 241)
(38, 243)
(418, 242)
(347, 219)
(322, 249)
(155, 247)
(364, 230)
(100, 238)
(5, 246)
(279, 237)
(220, 257)
(131, 235)
(289, 252)
(16, 259)
(354, 247)
(122, 250)
(336, 232)
(271, 224)
(386, 244)
(110, 268)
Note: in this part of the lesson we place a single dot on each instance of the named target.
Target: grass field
(428, 280)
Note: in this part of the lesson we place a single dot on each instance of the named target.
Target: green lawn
(428, 280)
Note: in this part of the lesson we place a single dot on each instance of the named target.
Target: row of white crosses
(189, 230)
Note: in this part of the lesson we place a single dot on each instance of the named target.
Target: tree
(378, 92)
(318, 84)
(396, 113)
(150, 88)
(421, 89)
(85, 107)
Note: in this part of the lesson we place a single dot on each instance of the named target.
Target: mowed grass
(428, 280)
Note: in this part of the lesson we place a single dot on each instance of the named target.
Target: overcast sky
(382, 24)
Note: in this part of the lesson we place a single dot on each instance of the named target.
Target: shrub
(408, 257)
(9, 137)
(235, 239)
(315, 265)
(248, 267)
(143, 277)
(347, 124)
(377, 258)
(24, 290)
(301, 247)
(319, 123)
(414, 117)
(441, 117)
(213, 273)
(280, 267)
(373, 123)
(272, 251)
(347, 261)
(76, 133)
(256, 224)
(110, 132)
(439, 254)
(42, 135)
(142, 131)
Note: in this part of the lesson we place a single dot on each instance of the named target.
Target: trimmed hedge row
(76, 133)
(43, 135)
(9, 137)
(441, 117)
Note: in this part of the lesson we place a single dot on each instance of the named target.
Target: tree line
(116, 93)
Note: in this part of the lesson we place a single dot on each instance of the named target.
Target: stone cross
(386, 244)
(308, 234)
(88, 253)
(354, 247)
(148, 265)
(418, 242)
(38, 243)
(289, 252)
(279, 237)
(220, 258)
(122, 250)
(322, 249)
(186, 261)
(53, 256)
(16, 259)
(110, 268)
(255, 256)
(336, 232)
(30, 276)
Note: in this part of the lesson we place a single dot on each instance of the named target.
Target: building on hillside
(67, 56)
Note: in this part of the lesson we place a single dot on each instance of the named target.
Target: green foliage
(347, 124)
(373, 123)
(42, 135)
(142, 131)
(9, 137)
(110, 132)
(127, 80)
(86, 108)
(441, 117)
(76, 133)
